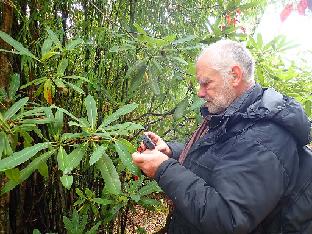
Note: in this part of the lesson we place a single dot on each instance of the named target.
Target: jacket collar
(240, 104)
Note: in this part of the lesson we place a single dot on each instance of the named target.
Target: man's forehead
(205, 71)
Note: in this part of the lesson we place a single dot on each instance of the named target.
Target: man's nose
(201, 93)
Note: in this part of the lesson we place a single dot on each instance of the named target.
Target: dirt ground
(150, 221)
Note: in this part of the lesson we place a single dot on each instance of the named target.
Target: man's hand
(160, 144)
(149, 161)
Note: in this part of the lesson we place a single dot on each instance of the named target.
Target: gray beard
(222, 101)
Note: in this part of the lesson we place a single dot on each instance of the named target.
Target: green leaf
(153, 78)
(62, 158)
(67, 113)
(37, 121)
(122, 129)
(91, 110)
(94, 229)
(139, 29)
(75, 225)
(74, 87)
(180, 60)
(96, 155)
(73, 159)
(26, 172)
(170, 38)
(135, 197)
(36, 231)
(116, 115)
(148, 202)
(15, 108)
(54, 38)
(22, 156)
(59, 120)
(18, 46)
(59, 83)
(46, 46)
(102, 201)
(62, 67)
(13, 174)
(67, 181)
(35, 82)
(73, 43)
(14, 85)
(72, 123)
(48, 55)
(136, 73)
(180, 109)
(125, 157)
(259, 41)
(2, 143)
(185, 39)
(69, 136)
(27, 138)
(109, 174)
(76, 78)
(7, 150)
(151, 187)
(43, 169)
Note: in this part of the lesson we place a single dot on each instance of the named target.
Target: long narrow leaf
(96, 155)
(73, 159)
(2, 142)
(67, 181)
(116, 115)
(151, 187)
(109, 174)
(67, 113)
(26, 172)
(15, 108)
(22, 156)
(125, 157)
(73, 43)
(18, 46)
(62, 67)
(46, 46)
(62, 158)
(76, 77)
(91, 110)
(55, 38)
(74, 87)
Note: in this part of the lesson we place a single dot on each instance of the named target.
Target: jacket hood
(267, 104)
(284, 111)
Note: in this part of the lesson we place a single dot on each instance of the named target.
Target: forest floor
(149, 220)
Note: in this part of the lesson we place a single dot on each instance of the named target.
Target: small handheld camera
(148, 142)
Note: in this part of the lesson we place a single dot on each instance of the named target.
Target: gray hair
(227, 53)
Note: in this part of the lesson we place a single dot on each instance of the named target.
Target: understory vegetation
(81, 80)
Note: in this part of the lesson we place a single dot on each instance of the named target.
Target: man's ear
(237, 75)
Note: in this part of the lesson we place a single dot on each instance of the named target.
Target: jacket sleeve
(247, 184)
(176, 149)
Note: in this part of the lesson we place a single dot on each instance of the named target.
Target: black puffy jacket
(235, 178)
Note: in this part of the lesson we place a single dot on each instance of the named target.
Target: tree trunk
(5, 73)
(5, 63)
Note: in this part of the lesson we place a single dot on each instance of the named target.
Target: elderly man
(241, 164)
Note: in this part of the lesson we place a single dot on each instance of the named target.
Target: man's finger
(152, 135)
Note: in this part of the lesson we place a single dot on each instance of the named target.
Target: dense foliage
(85, 78)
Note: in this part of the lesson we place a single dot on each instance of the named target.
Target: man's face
(216, 90)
